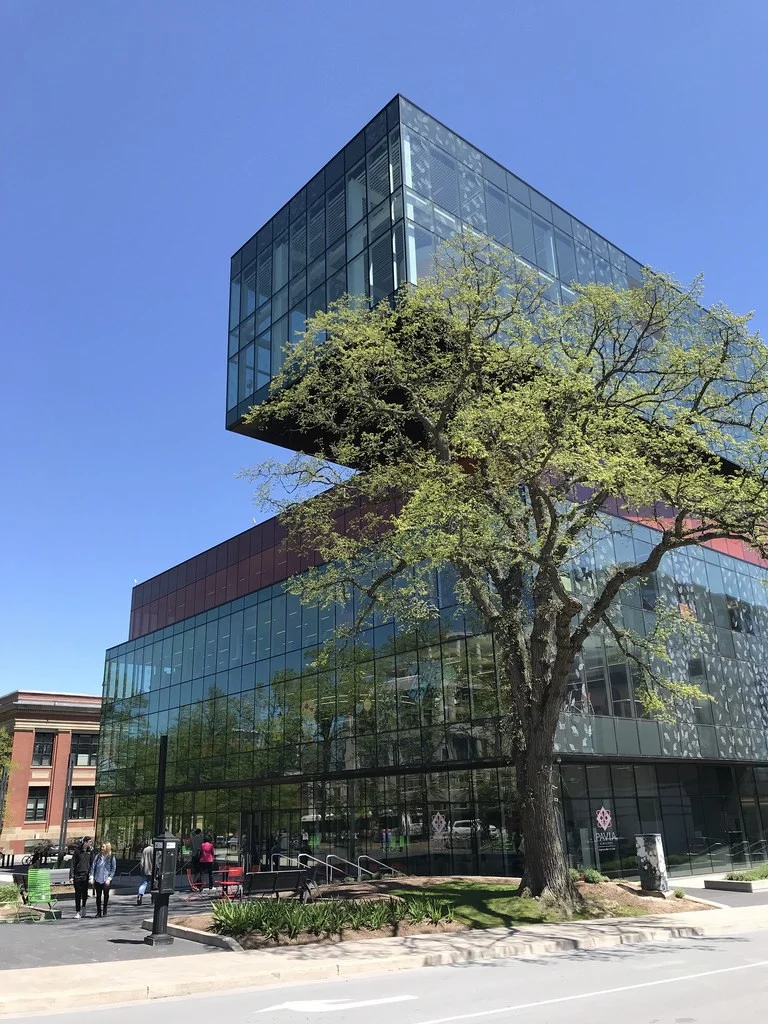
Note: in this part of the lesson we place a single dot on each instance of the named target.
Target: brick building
(48, 728)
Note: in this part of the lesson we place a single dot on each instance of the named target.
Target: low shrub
(439, 910)
(679, 894)
(336, 916)
(294, 920)
(9, 893)
(757, 874)
(417, 908)
(289, 918)
(593, 877)
(396, 912)
(376, 915)
(574, 874)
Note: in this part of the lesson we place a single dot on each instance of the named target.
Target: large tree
(498, 432)
(6, 766)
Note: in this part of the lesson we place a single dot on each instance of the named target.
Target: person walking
(195, 842)
(102, 872)
(80, 873)
(206, 860)
(307, 860)
(185, 857)
(147, 862)
(274, 856)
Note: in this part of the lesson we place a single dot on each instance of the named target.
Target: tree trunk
(536, 688)
(546, 869)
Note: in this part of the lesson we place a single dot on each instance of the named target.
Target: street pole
(160, 797)
(65, 812)
(160, 894)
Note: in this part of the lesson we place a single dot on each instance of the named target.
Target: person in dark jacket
(196, 842)
(274, 856)
(80, 871)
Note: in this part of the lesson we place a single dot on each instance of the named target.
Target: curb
(178, 931)
(707, 903)
(731, 885)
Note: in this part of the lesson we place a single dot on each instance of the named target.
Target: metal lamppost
(166, 849)
(65, 812)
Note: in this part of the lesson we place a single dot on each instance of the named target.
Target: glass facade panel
(235, 690)
(302, 263)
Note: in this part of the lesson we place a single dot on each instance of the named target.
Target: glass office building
(370, 220)
(397, 753)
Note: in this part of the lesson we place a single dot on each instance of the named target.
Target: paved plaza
(119, 936)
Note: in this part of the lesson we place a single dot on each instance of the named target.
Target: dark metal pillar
(160, 797)
(160, 900)
(65, 812)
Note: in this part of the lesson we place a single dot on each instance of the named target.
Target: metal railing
(300, 861)
(360, 870)
(380, 864)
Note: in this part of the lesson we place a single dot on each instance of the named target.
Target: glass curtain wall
(372, 219)
(342, 233)
(235, 690)
(712, 818)
(465, 821)
(450, 185)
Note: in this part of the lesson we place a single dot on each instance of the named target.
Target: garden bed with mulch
(423, 905)
(257, 940)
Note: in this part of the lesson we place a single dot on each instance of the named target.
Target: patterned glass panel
(472, 199)
(378, 174)
(316, 231)
(335, 223)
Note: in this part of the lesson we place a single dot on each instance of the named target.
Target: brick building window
(85, 749)
(37, 803)
(42, 751)
(83, 802)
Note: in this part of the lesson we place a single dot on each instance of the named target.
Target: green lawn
(483, 905)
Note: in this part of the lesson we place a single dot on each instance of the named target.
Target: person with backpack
(80, 873)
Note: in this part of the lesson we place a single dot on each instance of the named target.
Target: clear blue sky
(143, 142)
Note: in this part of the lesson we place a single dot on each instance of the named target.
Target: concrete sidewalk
(78, 986)
(111, 939)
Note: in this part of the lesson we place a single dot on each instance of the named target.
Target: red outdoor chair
(231, 882)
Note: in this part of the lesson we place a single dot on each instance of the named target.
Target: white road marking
(327, 1005)
(591, 995)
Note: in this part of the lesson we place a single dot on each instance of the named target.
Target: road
(730, 899)
(692, 981)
